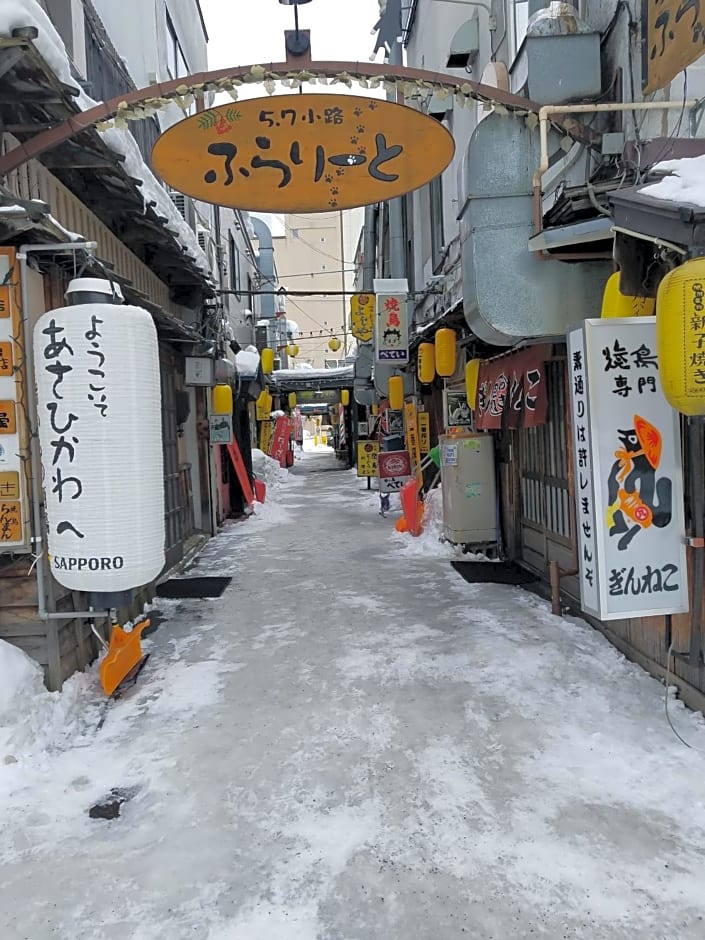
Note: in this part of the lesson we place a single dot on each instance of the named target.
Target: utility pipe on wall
(547, 110)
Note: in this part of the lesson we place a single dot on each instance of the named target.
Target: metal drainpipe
(397, 255)
(22, 255)
(369, 249)
(545, 113)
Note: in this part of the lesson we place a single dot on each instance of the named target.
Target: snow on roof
(18, 13)
(685, 184)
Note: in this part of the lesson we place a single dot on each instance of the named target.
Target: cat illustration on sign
(638, 498)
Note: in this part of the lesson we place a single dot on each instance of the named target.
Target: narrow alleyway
(353, 743)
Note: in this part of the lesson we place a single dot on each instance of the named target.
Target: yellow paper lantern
(292, 400)
(293, 350)
(345, 397)
(617, 304)
(334, 344)
(222, 400)
(445, 352)
(472, 374)
(427, 363)
(680, 324)
(267, 357)
(375, 410)
(396, 392)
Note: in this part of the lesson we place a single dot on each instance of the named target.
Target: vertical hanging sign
(424, 419)
(13, 498)
(629, 480)
(391, 321)
(582, 450)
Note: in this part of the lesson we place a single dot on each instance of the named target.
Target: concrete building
(316, 253)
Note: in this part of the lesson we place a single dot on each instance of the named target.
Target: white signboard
(628, 474)
(391, 321)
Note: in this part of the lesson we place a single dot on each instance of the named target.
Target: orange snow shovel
(123, 655)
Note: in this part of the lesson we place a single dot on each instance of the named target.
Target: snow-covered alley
(352, 742)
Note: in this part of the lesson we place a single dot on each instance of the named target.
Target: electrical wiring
(668, 717)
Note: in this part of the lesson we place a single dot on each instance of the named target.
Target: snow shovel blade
(412, 506)
(124, 653)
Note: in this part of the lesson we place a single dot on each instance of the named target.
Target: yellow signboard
(14, 449)
(362, 316)
(367, 452)
(424, 419)
(8, 422)
(265, 436)
(10, 522)
(6, 358)
(674, 31)
(263, 406)
(412, 436)
(303, 153)
(9, 484)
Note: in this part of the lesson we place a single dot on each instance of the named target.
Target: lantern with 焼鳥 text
(100, 431)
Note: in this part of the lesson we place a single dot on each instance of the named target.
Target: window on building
(176, 64)
(234, 263)
(518, 14)
(435, 191)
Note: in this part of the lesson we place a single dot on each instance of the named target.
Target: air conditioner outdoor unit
(186, 208)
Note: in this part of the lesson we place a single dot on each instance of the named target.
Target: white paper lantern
(100, 430)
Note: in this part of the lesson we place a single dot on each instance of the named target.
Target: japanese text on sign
(362, 316)
(367, 452)
(674, 32)
(13, 446)
(394, 469)
(392, 330)
(628, 477)
(309, 152)
(585, 507)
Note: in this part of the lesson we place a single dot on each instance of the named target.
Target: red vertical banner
(280, 440)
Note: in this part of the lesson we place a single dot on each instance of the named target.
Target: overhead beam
(107, 110)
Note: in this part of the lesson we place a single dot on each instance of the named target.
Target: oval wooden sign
(302, 153)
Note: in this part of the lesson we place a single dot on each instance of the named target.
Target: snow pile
(429, 544)
(268, 469)
(247, 361)
(31, 718)
(17, 13)
(685, 184)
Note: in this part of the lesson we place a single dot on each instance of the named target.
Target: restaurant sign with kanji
(628, 473)
(391, 321)
(302, 153)
(14, 516)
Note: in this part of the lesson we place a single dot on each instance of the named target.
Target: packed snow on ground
(686, 182)
(353, 743)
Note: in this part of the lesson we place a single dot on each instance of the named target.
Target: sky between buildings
(252, 31)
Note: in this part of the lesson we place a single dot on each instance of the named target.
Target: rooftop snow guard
(508, 294)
